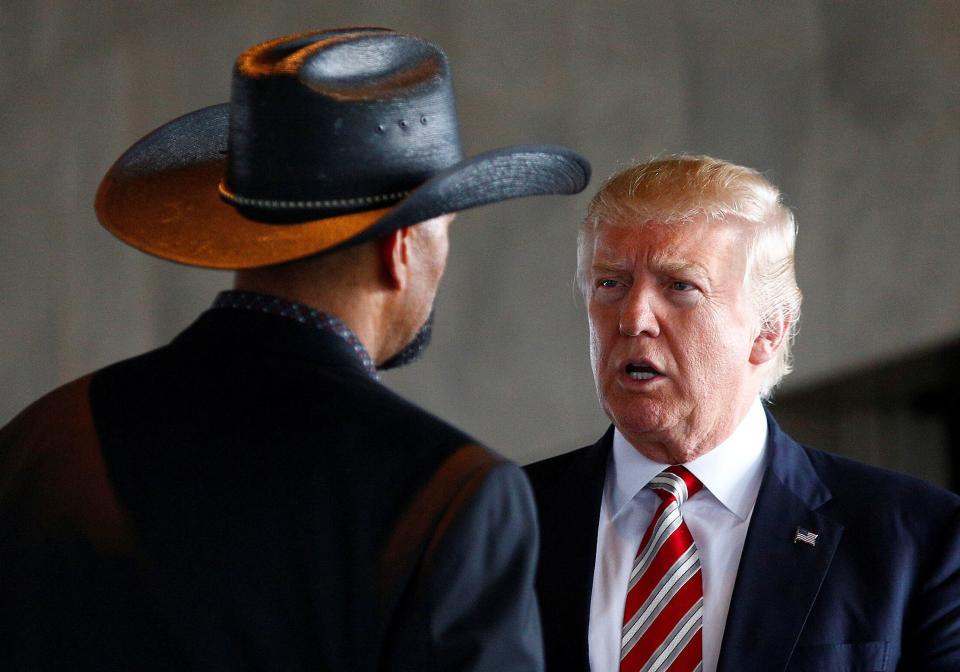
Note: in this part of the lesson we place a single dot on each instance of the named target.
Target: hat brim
(161, 196)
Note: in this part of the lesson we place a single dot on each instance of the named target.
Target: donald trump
(695, 534)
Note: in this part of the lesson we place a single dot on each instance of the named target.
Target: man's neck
(692, 437)
(357, 307)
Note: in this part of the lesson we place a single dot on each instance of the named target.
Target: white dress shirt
(718, 517)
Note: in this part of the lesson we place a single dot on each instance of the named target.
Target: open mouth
(641, 371)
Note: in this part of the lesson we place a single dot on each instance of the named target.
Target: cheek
(595, 346)
(443, 263)
(601, 343)
(720, 351)
(601, 336)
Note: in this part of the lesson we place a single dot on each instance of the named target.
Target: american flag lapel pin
(805, 536)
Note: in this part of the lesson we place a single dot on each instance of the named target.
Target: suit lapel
(778, 579)
(569, 513)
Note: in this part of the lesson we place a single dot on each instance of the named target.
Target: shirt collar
(298, 312)
(731, 472)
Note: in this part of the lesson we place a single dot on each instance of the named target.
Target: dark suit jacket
(248, 498)
(880, 590)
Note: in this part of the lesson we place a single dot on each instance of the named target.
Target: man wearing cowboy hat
(250, 496)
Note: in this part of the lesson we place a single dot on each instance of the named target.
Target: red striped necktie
(663, 616)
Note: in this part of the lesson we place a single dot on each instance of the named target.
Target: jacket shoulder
(52, 433)
(877, 487)
(558, 464)
(852, 487)
(52, 473)
(582, 463)
(866, 497)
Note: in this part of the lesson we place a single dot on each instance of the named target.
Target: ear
(770, 339)
(394, 253)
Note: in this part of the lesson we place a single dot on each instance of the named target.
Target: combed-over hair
(674, 190)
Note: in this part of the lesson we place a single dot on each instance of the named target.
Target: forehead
(714, 245)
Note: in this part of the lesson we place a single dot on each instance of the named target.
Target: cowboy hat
(330, 138)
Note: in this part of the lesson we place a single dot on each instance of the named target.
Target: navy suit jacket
(880, 590)
(247, 497)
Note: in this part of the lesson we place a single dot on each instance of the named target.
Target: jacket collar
(779, 575)
(776, 575)
(731, 472)
(569, 537)
(298, 312)
(230, 335)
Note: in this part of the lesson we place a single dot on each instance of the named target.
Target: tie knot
(675, 483)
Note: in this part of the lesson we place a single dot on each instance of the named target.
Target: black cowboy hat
(330, 138)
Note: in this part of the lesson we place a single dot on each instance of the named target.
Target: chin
(637, 415)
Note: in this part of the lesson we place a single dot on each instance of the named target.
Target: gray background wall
(851, 107)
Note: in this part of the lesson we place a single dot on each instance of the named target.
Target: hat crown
(333, 119)
(330, 138)
(373, 65)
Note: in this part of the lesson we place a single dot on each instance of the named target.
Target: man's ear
(769, 340)
(394, 253)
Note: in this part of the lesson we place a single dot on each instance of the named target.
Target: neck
(697, 437)
(361, 305)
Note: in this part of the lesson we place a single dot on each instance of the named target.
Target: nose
(637, 315)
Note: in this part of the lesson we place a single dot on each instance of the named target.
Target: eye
(681, 286)
(607, 283)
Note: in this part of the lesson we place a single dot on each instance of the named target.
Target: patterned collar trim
(272, 305)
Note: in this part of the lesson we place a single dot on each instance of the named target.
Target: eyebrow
(665, 264)
(610, 266)
(660, 263)
(611, 261)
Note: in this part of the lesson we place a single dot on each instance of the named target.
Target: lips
(642, 370)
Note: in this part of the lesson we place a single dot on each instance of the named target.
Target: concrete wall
(852, 108)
